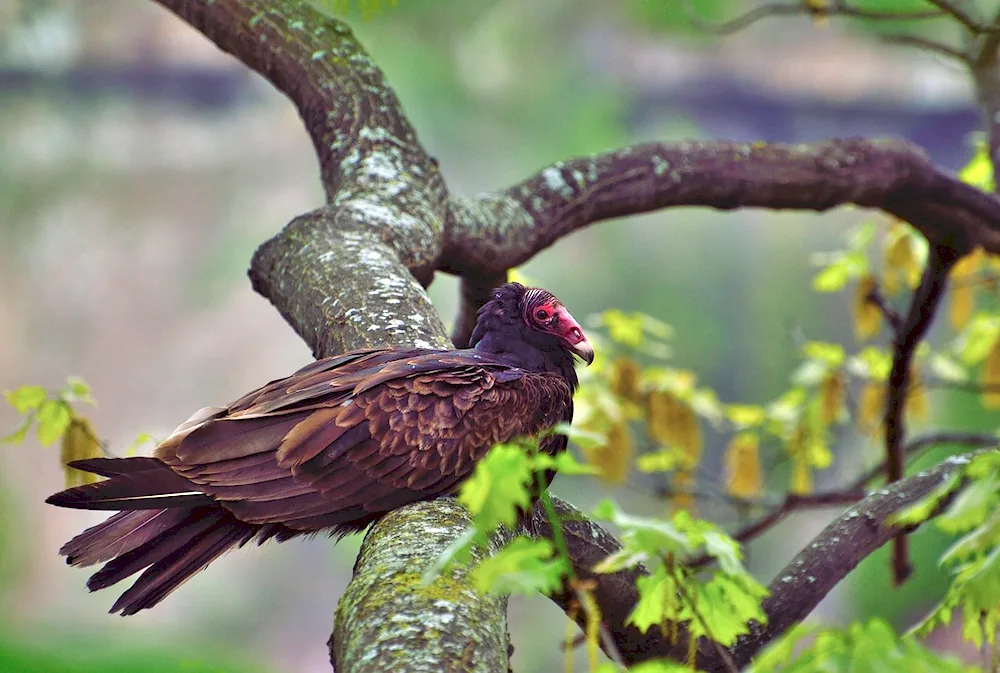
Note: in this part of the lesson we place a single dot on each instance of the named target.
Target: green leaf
(979, 541)
(979, 170)
(566, 463)
(863, 647)
(498, 487)
(26, 398)
(924, 508)
(832, 278)
(20, 432)
(585, 439)
(970, 507)
(745, 416)
(658, 666)
(76, 390)
(978, 337)
(657, 600)
(53, 419)
(947, 369)
(830, 354)
(141, 438)
(664, 460)
(872, 363)
(724, 607)
(524, 566)
(653, 537)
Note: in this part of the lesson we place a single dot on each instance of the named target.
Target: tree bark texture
(352, 273)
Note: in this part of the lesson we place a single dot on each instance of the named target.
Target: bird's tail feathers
(132, 484)
(166, 529)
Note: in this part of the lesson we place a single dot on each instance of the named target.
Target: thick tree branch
(501, 230)
(389, 620)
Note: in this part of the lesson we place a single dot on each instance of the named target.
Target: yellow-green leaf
(498, 487)
(26, 398)
(623, 378)
(871, 408)
(831, 396)
(53, 419)
(741, 463)
(79, 443)
(524, 566)
(613, 458)
(867, 318)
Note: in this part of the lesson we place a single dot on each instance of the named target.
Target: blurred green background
(140, 168)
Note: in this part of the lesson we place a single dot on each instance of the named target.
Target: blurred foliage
(58, 652)
(862, 647)
(56, 419)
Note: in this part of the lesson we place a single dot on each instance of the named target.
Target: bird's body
(332, 447)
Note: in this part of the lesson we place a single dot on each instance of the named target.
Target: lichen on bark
(391, 619)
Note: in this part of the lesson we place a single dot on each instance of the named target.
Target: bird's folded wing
(336, 443)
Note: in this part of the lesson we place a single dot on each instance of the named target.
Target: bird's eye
(542, 314)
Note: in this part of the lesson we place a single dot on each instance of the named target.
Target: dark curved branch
(501, 230)
(923, 306)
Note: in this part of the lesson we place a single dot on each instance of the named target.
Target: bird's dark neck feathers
(501, 336)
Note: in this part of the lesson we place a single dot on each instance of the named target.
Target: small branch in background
(923, 306)
(889, 312)
(475, 290)
(791, 503)
(835, 8)
(914, 446)
(955, 10)
(963, 386)
(929, 45)
(985, 70)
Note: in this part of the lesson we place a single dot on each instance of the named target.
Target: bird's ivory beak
(585, 351)
(572, 334)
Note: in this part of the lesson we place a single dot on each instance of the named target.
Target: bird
(331, 448)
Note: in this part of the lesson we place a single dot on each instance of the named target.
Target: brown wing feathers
(332, 447)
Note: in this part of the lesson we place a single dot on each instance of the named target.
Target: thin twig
(889, 312)
(970, 439)
(966, 19)
(791, 503)
(837, 8)
(928, 45)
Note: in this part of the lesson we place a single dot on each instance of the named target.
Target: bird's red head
(517, 319)
(542, 311)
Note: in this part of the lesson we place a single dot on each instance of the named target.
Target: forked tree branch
(794, 593)
(352, 272)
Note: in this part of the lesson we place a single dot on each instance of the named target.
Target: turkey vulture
(332, 447)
